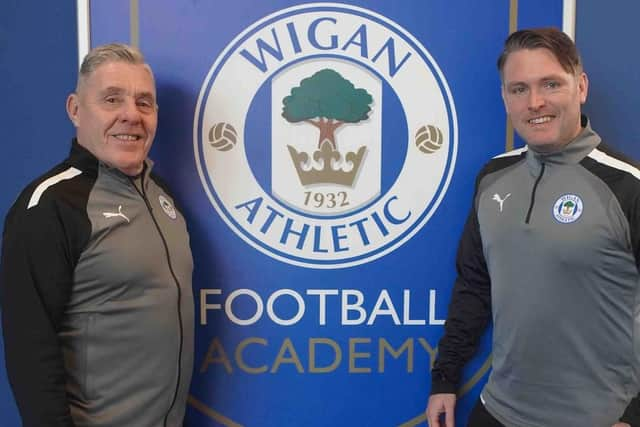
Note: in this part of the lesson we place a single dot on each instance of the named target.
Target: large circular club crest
(325, 135)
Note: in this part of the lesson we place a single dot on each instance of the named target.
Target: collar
(84, 160)
(570, 154)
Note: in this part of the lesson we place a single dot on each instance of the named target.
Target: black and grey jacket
(97, 305)
(551, 252)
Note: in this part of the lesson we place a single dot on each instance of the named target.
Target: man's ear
(72, 108)
(583, 87)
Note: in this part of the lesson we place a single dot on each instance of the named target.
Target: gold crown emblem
(330, 166)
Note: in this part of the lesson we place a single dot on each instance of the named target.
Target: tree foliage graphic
(568, 207)
(327, 101)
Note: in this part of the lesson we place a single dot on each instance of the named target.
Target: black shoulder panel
(625, 187)
(497, 164)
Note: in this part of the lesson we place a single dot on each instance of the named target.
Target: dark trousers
(480, 417)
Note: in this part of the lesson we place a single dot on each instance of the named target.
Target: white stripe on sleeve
(68, 174)
(604, 158)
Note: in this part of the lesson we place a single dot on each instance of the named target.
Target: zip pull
(533, 193)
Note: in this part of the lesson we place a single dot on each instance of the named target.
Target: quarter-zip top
(542, 281)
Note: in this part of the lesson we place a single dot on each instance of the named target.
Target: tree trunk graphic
(327, 129)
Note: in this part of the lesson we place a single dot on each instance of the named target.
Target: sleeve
(36, 278)
(634, 224)
(469, 311)
(631, 415)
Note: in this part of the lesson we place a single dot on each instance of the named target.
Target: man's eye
(518, 90)
(552, 85)
(145, 106)
(112, 100)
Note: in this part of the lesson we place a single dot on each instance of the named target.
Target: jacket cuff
(631, 415)
(441, 385)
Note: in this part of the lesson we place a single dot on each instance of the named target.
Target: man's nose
(129, 111)
(536, 100)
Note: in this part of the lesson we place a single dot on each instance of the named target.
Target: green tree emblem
(327, 101)
(568, 207)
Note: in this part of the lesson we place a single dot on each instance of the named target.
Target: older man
(551, 251)
(97, 305)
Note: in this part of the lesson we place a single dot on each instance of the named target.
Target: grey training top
(551, 249)
(97, 299)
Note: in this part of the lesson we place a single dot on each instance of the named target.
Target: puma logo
(500, 200)
(114, 214)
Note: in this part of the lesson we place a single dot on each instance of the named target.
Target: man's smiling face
(115, 114)
(542, 99)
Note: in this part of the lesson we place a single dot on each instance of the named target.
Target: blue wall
(607, 34)
(38, 63)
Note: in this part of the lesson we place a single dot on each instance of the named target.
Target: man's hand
(443, 403)
(621, 425)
